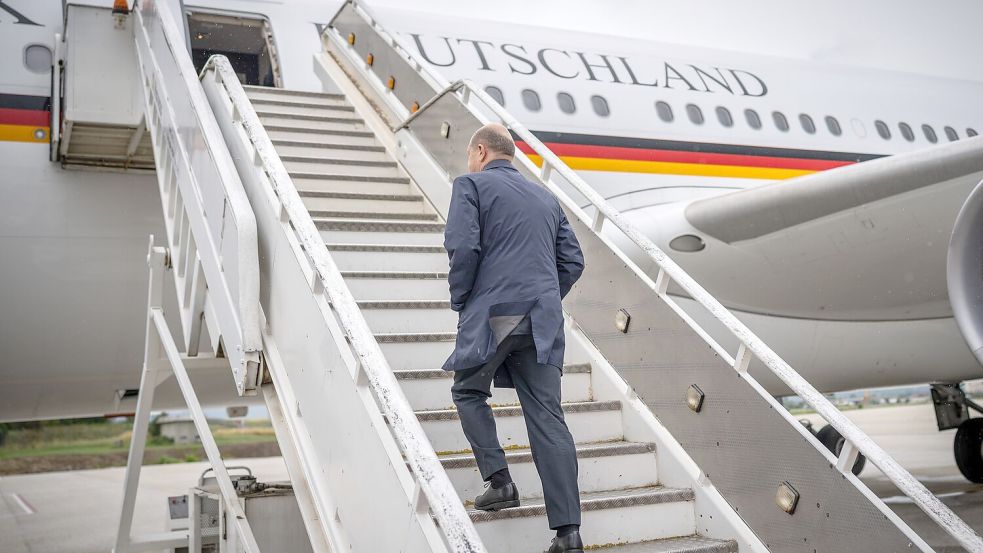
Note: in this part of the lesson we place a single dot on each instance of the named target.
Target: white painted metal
(211, 230)
(161, 356)
(431, 491)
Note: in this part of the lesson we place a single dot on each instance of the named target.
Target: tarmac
(78, 511)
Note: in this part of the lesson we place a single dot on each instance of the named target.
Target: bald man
(513, 256)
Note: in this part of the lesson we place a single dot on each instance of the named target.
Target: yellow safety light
(391, 83)
(369, 59)
(351, 39)
(120, 7)
(415, 107)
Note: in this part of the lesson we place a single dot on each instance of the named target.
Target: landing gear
(952, 410)
(831, 438)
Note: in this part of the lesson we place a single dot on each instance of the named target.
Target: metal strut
(162, 360)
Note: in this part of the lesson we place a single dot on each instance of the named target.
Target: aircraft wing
(863, 242)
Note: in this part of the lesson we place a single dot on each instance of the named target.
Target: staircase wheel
(967, 449)
(831, 438)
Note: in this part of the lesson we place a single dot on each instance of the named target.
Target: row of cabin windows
(566, 103)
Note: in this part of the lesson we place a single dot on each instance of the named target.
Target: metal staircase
(385, 237)
(347, 194)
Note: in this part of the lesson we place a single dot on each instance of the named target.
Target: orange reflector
(415, 107)
(351, 39)
(391, 83)
(120, 7)
(369, 59)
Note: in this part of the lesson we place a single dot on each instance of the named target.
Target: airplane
(814, 200)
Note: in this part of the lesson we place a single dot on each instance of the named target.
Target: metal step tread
(524, 455)
(614, 499)
(405, 275)
(360, 196)
(301, 104)
(515, 410)
(685, 544)
(373, 215)
(336, 161)
(394, 248)
(378, 226)
(408, 337)
(288, 92)
(404, 304)
(417, 374)
(320, 132)
(326, 146)
(333, 117)
(342, 177)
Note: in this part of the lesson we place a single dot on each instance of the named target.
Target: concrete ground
(78, 511)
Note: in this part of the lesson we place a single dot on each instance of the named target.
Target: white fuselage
(73, 242)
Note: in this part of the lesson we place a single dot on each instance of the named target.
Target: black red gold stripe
(641, 155)
(24, 118)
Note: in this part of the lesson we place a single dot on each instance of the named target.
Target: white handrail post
(157, 261)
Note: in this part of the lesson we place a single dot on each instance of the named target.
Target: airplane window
(971, 132)
(807, 124)
(753, 120)
(664, 110)
(930, 133)
(723, 115)
(695, 114)
(833, 125)
(37, 58)
(780, 121)
(882, 129)
(496, 93)
(530, 99)
(906, 132)
(600, 106)
(951, 134)
(566, 102)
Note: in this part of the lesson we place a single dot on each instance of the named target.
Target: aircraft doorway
(246, 41)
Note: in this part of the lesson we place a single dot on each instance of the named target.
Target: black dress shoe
(571, 543)
(498, 498)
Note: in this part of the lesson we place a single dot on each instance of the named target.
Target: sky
(939, 39)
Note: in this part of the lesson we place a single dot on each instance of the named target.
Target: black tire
(831, 438)
(967, 449)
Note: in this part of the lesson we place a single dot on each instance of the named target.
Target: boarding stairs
(347, 322)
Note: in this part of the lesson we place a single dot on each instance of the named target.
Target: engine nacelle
(965, 271)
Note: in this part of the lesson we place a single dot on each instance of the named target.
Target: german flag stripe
(639, 155)
(24, 118)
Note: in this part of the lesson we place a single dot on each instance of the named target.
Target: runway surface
(79, 511)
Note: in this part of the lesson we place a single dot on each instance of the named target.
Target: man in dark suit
(513, 256)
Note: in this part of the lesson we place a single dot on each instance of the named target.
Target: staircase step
(417, 354)
(297, 106)
(685, 544)
(347, 136)
(406, 319)
(612, 517)
(602, 466)
(389, 258)
(292, 123)
(394, 177)
(589, 421)
(430, 388)
(254, 92)
(336, 166)
(353, 202)
(380, 232)
(312, 186)
(301, 148)
(386, 285)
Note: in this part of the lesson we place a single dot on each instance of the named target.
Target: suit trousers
(538, 388)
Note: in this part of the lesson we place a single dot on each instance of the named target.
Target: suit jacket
(512, 253)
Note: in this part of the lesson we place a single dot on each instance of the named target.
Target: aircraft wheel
(831, 438)
(967, 449)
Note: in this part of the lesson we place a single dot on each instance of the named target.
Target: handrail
(856, 441)
(431, 479)
(236, 303)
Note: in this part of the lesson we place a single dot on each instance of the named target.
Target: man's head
(489, 143)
